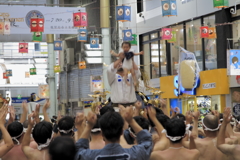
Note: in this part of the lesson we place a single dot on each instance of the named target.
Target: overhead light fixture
(93, 53)
(94, 60)
(87, 46)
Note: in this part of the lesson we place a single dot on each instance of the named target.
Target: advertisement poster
(43, 91)
(56, 21)
(234, 62)
(96, 83)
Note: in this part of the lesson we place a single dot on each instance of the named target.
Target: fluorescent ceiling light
(40, 60)
(93, 53)
(89, 48)
(94, 60)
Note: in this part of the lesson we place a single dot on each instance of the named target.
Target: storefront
(211, 93)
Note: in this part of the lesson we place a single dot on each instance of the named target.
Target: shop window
(139, 6)
(175, 48)
(210, 45)
(146, 38)
(146, 59)
(194, 42)
(163, 58)
(155, 59)
(154, 35)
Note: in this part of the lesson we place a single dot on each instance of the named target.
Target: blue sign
(180, 90)
(123, 13)
(16, 100)
(169, 8)
(127, 35)
(94, 42)
(57, 45)
(82, 34)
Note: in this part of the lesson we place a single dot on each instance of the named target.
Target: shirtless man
(96, 136)
(42, 134)
(207, 146)
(175, 131)
(230, 150)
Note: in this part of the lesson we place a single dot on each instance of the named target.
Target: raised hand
(31, 120)
(3, 114)
(79, 119)
(188, 117)
(25, 106)
(128, 116)
(91, 119)
(151, 112)
(227, 115)
(138, 105)
(196, 115)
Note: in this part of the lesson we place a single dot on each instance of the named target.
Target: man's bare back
(174, 154)
(15, 153)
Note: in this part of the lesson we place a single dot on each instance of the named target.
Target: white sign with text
(209, 85)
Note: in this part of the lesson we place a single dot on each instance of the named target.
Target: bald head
(211, 121)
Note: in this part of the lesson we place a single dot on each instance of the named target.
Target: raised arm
(152, 114)
(27, 150)
(225, 148)
(140, 53)
(6, 137)
(91, 121)
(114, 53)
(25, 112)
(79, 124)
(129, 118)
(45, 114)
(36, 113)
(195, 124)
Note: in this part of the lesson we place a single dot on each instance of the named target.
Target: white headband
(16, 138)
(209, 129)
(96, 130)
(64, 131)
(41, 146)
(173, 138)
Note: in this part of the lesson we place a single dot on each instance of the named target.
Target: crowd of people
(125, 130)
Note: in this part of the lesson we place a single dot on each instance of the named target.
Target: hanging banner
(23, 47)
(204, 33)
(33, 71)
(169, 8)
(174, 37)
(27, 75)
(212, 33)
(127, 35)
(94, 42)
(37, 37)
(57, 69)
(57, 45)
(220, 3)
(82, 35)
(6, 28)
(43, 91)
(96, 83)
(123, 13)
(134, 39)
(37, 47)
(55, 21)
(166, 33)
(1, 27)
(5, 75)
(80, 19)
(9, 73)
(82, 65)
(233, 62)
(37, 24)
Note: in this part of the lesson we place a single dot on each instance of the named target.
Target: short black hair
(158, 111)
(111, 124)
(175, 128)
(128, 43)
(42, 131)
(66, 123)
(62, 148)
(15, 129)
(105, 109)
(163, 119)
(180, 116)
(142, 122)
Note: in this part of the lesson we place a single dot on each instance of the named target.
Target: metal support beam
(51, 80)
(106, 39)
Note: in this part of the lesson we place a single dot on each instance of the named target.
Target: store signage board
(58, 20)
(209, 85)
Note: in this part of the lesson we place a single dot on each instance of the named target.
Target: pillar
(106, 39)
(51, 78)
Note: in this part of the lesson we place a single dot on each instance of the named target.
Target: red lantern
(37, 25)
(80, 19)
(5, 75)
(23, 48)
(204, 32)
